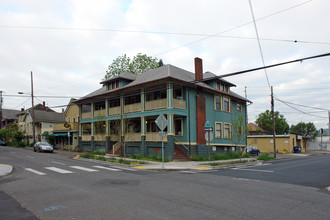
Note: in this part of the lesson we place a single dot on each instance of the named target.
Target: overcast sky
(68, 44)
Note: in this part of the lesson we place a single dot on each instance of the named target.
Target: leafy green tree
(265, 121)
(140, 63)
(306, 129)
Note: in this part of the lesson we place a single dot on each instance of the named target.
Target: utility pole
(0, 109)
(274, 133)
(33, 124)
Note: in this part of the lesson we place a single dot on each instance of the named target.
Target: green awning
(45, 133)
(59, 134)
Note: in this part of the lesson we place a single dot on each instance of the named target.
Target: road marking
(140, 167)
(58, 170)
(58, 163)
(83, 168)
(107, 168)
(30, 157)
(12, 152)
(35, 171)
(254, 170)
(203, 168)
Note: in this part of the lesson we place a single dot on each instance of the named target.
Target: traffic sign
(161, 122)
(207, 136)
(208, 129)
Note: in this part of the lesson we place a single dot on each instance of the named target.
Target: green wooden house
(119, 118)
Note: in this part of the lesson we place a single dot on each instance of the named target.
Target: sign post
(208, 136)
(162, 123)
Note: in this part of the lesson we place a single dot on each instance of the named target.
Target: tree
(306, 129)
(265, 121)
(140, 63)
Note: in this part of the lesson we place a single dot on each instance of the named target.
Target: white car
(43, 147)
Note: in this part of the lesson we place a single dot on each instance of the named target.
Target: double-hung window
(226, 104)
(217, 102)
(218, 130)
(227, 131)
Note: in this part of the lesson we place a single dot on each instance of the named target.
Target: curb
(5, 169)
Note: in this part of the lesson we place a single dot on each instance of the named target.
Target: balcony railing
(155, 104)
(86, 115)
(136, 107)
(114, 110)
(99, 137)
(180, 104)
(99, 113)
(133, 137)
(154, 136)
(86, 137)
(61, 127)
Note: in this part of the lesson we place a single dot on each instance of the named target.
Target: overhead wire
(258, 39)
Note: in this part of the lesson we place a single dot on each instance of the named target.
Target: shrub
(98, 152)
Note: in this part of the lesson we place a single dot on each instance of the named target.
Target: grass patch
(222, 156)
(157, 158)
(265, 157)
(113, 160)
(97, 152)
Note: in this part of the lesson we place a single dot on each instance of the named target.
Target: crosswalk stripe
(106, 168)
(83, 168)
(58, 170)
(35, 171)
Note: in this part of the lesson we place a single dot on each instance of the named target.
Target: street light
(32, 97)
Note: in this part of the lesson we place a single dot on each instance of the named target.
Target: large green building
(119, 118)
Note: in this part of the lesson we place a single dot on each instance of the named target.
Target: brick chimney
(44, 104)
(200, 104)
(198, 69)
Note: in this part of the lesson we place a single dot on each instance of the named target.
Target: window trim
(230, 131)
(215, 102)
(239, 106)
(215, 130)
(229, 104)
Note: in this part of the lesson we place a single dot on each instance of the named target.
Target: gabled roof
(44, 116)
(123, 75)
(9, 114)
(210, 76)
(163, 72)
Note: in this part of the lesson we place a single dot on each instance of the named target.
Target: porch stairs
(179, 154)
(117, 149)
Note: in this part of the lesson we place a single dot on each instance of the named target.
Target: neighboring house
(66, 133)
(8, 116)
(44, 119)
(121, 115)
(283, 142)
(254, 129)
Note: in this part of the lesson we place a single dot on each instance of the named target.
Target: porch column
(142, 100)
(169, 95)
(170, 126)
(143, 136)
(92, 110)
(106, 107)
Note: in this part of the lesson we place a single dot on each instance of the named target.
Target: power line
(260, 48)
(305, 106)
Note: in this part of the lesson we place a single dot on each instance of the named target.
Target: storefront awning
(45, 133)
(59, 134)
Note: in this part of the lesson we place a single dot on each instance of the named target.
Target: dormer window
(222, 87)
(113, 85)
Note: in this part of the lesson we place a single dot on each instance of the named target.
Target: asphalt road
(313, 171)
(54, 186)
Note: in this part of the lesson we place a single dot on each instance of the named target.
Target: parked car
(43, 147)
(253, 150)
(2, 143)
